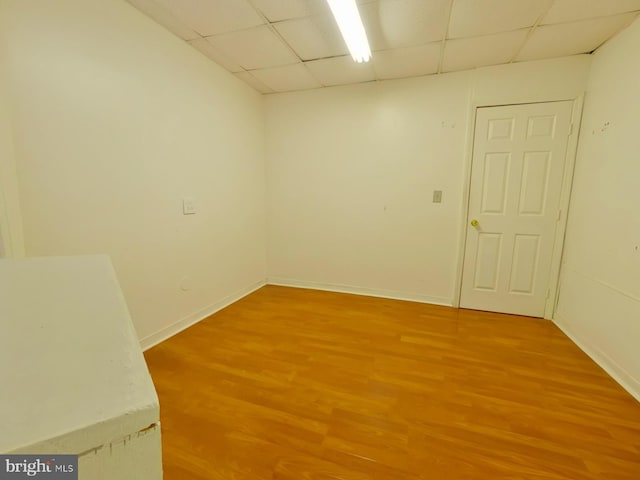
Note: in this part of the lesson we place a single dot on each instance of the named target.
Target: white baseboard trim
(186, 322)
(617, 372)
(369, 292)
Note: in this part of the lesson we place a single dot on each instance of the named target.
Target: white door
(517, 169)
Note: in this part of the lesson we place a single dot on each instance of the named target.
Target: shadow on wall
(3, 250)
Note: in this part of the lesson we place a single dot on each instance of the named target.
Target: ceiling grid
(285, 45)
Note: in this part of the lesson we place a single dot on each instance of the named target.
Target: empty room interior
(233, 247)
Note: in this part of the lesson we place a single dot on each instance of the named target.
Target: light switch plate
(437, 196)
(188, 206)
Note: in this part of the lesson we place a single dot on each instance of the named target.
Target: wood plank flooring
(292, 384)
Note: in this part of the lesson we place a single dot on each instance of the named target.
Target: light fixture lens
(350, 25)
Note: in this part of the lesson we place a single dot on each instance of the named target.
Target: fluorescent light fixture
(350, 25)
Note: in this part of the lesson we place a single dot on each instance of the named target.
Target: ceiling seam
(530, 32)
(269, 25)
(277, 34)
(444, 37)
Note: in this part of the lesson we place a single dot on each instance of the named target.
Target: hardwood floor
(294, 384)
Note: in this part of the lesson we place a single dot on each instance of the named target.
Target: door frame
(565, 196)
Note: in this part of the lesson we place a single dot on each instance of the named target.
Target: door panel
(526, 254)
(535, 183)
(516, 180)
(488, 260)
(494, 184)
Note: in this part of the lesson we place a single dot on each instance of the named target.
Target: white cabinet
(73, 377)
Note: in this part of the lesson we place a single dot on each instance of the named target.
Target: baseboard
(186, 322)
(616, 371)
(369, 292)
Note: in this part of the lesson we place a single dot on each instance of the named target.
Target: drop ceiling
(286, 45)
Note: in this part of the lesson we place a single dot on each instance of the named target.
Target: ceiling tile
(407, 62)
(210, 17)
(254, 48)
(471, 18)
(341, 71)
(404, 23)
(158, 11)
(284, 79)
(467, 53)
(254, 82)
(572, 10)
(278, 10)
(563, 39)
(405, 35)
(313, 37)
(203, 45)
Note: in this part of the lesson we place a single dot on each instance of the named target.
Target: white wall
(351, 171)
(599, 303)
(115, 120)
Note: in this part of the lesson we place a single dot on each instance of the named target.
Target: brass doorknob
(474, 223)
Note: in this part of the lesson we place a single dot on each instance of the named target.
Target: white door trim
(567, 182)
